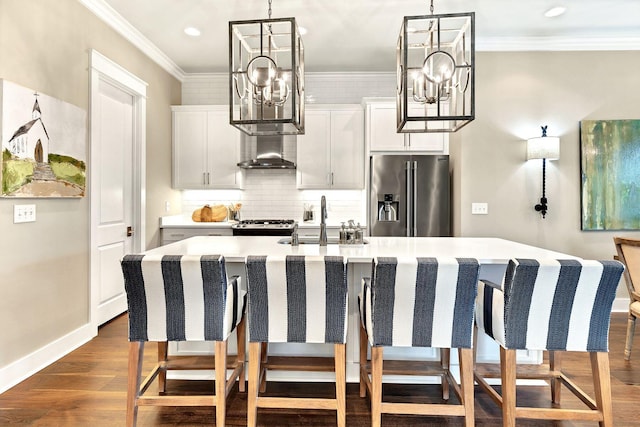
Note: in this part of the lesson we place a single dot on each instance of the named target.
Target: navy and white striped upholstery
(550, 305)
(297, 299)
(181, 298)
(420, 302)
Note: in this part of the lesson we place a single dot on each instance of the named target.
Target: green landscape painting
(610, 168)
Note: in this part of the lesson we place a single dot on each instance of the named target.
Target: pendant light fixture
(436, 72)
(266, 76)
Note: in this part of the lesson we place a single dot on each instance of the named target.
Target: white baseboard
(620, 305)
(23, 368)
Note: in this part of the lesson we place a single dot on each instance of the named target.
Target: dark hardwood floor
(88, 388)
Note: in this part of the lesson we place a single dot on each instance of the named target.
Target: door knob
(129, 231)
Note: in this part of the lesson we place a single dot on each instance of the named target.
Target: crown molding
(524, 44)
(483, 44)
(112, 18)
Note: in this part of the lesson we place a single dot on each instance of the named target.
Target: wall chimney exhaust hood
(268, 154)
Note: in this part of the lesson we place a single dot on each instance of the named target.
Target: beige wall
(516, 93)
(44, 288)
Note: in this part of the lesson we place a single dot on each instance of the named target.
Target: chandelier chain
(270, 9)
(430, 8)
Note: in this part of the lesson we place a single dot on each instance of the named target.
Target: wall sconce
(546, 148)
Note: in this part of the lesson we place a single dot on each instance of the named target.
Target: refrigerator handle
(409, 198)
(414, 199)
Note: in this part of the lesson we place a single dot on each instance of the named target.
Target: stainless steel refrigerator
(409, 195)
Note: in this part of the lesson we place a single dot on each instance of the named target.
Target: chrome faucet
(323, 223)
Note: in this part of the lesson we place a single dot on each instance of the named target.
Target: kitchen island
(492, 253)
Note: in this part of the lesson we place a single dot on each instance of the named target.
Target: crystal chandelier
(436, 72)
(266, 76)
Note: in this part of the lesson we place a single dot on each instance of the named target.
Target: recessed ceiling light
(302, 31)
(192, 31)
(555, 11)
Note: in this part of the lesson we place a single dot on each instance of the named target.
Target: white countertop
(237, 248)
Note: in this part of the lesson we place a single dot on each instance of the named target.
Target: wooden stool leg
(508, 376)
(376, 386)
(241, 335)
(445, 361)
(221, 382)
(255, 356)
(363, 360)
(264, 355)
(341, 383)
(163, 352)
(465, 356)
(555, 364)
(631, 326)
(602, 386)
(136, 353)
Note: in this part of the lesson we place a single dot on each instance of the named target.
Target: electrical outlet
(479, 208)
(24, 213)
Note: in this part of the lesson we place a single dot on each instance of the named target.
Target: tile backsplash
(273, 193)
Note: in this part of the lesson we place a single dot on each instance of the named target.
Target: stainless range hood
(268, 154)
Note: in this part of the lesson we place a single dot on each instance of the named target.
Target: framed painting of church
(44, 144)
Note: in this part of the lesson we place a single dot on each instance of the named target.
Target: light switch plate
(479, 208)
(24, 213)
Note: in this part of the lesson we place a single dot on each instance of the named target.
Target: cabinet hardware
(129, 231)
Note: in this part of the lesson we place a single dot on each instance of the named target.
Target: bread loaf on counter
(215, 213)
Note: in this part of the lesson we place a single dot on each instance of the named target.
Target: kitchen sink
(313, 241)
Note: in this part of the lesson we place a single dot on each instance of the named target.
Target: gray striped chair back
(181, 298)
(420, 302)
(299, 299)
(550, 304)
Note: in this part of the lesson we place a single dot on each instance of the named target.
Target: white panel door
(113, 170)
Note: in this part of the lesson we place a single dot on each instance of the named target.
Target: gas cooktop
(264, 223)
(263, 227)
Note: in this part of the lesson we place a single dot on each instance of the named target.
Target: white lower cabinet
(381, 123)
(206, 148)
(331, 152)
(170, 235)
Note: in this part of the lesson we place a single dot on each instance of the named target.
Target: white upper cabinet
(382, 136)
(331, 152)
(206, 148)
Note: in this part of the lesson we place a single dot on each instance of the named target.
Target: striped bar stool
(554, 306)
(296, 299)
(182, 298)
(418, 302)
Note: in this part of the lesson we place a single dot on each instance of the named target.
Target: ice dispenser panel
(388, 205)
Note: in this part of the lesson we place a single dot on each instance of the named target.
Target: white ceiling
(361, 35)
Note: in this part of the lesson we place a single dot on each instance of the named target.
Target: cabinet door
(189, 149)
(313, 163)
(425, 141)
(382, 128)
(223, 151)
(347, 149)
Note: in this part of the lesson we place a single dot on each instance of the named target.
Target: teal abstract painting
(610, 169)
